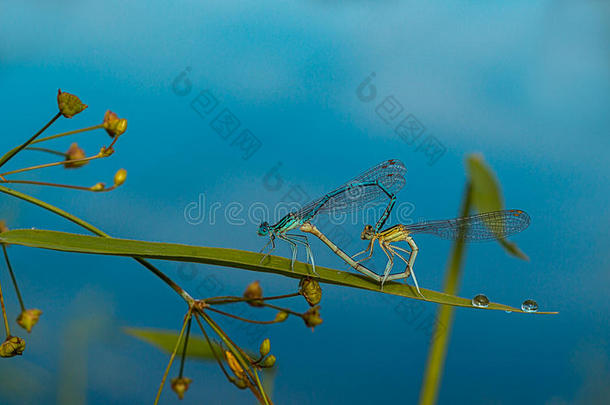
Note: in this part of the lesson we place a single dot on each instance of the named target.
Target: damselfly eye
(263, 229)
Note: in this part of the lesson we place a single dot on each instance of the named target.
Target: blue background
(527, 85)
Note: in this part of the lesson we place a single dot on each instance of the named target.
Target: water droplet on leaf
(529, 306)
(480, 301)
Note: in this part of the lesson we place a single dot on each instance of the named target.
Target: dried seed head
(312, 317)
(180, 385)
(74, 153)
(69, 105)
(12, 346)
(311, 290)
(254, 290)
(28, 318)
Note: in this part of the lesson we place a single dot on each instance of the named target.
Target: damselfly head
(263, 229)
(367, 233)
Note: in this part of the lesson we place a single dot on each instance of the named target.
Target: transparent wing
(360, 191)
(481, 227)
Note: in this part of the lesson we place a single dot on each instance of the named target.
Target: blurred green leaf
(486, 195)
(70, 242)
(513, 249)
(198, 347)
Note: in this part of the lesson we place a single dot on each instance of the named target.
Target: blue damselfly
(380, 181)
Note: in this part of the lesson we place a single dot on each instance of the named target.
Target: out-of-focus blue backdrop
(527, 85)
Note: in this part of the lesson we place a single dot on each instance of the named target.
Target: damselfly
(474, 228)
(378, 182)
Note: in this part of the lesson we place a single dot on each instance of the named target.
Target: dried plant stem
(240, 318)
(171, 359)
(186, 342)
(44, 183)
(207, 338)
(239, 355)
(6, 327)
(10, 154)
(10, 270)
(77, 131)
(63, 162)
(51, 151)
(233, 299)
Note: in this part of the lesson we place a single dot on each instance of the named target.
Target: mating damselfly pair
(378, 183)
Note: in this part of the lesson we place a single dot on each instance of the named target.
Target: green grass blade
(70, 242)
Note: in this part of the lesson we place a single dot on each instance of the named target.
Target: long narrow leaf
(70, 242)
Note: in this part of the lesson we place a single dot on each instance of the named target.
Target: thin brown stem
(222, 367)
(44, 166)
(240, 355)
(6, 327)
(186, 342)
(8, 156)
(240, 318)
(44, 183)
(68, 133)
(51, 151)
(10, 270)
(288, 310)
(233, 299)
(171, 359)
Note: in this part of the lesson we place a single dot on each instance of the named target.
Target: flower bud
(180, 385)
(105, 152)
(254, 290)
(120, 176)
(239, 383)
(311, 290)
(74, 153)
(312, 317)
(234, 364)
(69, 105)
(281, 316)
(268, 362)
(3, 227)
(114, 125)
(12, 346)
(97, 187)
(28, 318)
(265, 347)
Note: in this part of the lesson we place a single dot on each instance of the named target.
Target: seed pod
(311, 290)
(69, 105)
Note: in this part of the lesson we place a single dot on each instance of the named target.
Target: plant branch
(48, 138)
(185, 295)
(171, 359)
(10, 270)
(10, 154)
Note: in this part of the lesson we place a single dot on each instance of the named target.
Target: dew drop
(480, 301)
(529, 306)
